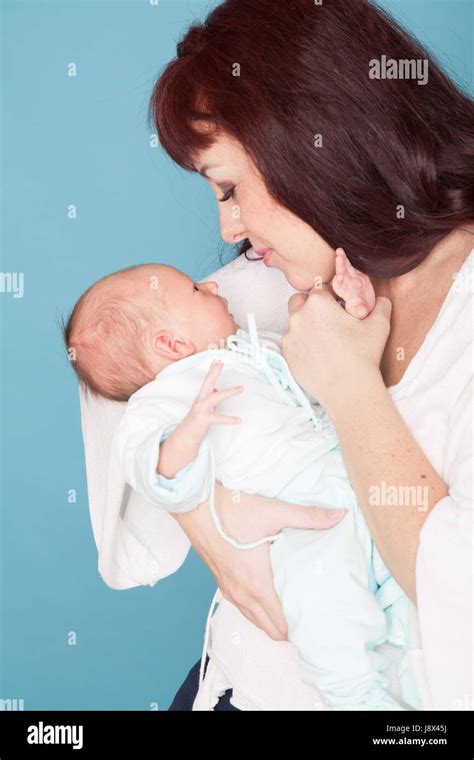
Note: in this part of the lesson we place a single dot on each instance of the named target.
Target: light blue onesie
(338, 597)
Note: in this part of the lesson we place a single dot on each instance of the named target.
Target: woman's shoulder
(444, 361)
(434, 396)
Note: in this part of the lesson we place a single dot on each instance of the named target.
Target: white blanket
(139, 544)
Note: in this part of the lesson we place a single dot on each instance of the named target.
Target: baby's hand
(181, 447)
(354, 287)
(203, 412)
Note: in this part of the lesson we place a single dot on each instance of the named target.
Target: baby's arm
(354, 287)
(162, 444)
(182, 446)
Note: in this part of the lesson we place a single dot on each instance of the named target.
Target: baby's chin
(235, 326)
(230, 327)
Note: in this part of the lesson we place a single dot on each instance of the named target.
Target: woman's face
(247, 210)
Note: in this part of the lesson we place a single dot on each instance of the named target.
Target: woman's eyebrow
(204, 169)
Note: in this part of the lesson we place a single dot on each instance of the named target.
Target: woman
(274, 103)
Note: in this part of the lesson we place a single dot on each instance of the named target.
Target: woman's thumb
(383, 307)
(315, 518)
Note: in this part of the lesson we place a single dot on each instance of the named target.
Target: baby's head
(129, 326)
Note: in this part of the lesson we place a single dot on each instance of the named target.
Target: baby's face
(195, 310)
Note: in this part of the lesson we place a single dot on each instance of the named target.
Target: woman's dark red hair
(304, 71)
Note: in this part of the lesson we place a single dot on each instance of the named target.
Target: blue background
(85, 141)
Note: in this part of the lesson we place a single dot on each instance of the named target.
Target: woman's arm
(336, 358)
(380, 452)
(245, 577)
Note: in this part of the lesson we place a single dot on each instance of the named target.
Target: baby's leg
(333, 619)
(354, 287)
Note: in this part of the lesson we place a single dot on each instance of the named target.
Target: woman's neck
(417, 298)
(438, 268)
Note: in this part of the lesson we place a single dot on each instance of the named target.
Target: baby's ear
(171, 347)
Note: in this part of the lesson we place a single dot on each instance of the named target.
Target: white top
(139, 544)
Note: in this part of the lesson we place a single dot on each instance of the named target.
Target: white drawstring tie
(257, 353)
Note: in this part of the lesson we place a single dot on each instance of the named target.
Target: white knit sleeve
(445, 572)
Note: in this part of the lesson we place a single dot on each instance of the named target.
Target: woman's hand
(328, 350)
(245, 576)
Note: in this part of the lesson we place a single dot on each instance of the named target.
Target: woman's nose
(232, 228)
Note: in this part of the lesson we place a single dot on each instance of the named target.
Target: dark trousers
(186, 693)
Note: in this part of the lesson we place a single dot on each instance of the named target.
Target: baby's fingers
(219, 396)
(209, 381)
(343, 265)
(356, 307)
(221, 419)
(340, 262)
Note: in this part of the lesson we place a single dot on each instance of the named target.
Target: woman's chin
(300, 281)
(299, 278)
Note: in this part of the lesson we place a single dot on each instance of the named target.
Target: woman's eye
(227, 196)
(196, 288)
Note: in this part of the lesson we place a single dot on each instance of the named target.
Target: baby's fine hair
(106, 335)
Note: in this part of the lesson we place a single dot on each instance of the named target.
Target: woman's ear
(171, 347)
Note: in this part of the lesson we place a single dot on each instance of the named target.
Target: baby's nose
(213, 287)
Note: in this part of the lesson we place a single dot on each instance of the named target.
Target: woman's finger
(273, 610)
(381, 314)
(276, 628)
(383, 306)
(312, 518)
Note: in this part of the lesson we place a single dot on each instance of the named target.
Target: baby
(151, 335)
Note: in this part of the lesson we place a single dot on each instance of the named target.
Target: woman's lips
(266, 253)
